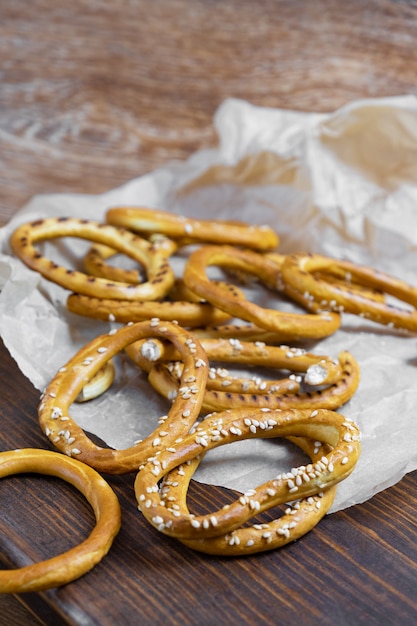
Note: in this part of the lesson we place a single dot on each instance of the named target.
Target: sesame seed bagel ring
(338, 380)
(317, 295)
(160, 276)
(188, 313)
(335, 277)
(241, 332)
(189, 230)
(68, 437)
(290, 326)
(164, 380)
(298, 518)
(70, 565)
(318, 369)
(225, 427)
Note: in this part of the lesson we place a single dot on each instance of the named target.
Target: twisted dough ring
(68, 437)
(223, 392)
(289, 326)
(72, 564)
(225, 427)
(298, 518)
(316, 294)
(189, 230)
(159, 273)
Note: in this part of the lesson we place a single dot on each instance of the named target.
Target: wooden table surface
(92, 94)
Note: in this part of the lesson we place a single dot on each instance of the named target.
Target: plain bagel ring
(315, 294)
(70, 565)
(160, 276)
(69, 438)
(225, 427)
(290, 326)
(191, 230)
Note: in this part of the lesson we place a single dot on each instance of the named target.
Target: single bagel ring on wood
(70, 565)
(290, 326)
(68, 437)
(315, 294)
(191, 230)
(225, 427)
(160, 276)
(298, 518)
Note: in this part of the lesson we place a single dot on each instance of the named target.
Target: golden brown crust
(303, 281)
(289, 326)
(58, 425)
(160, 276)
(190, 311)
(222, 393)
(340, 377)
(189, 230)
(298, 518)
(72, 564)
(188, 314)
(334, 465)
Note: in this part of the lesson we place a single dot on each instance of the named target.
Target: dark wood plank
(95, 93)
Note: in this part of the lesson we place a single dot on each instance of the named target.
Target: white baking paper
(342, 184)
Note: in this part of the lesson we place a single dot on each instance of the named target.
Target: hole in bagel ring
(316, 294)
(290, 326)
(160, 276)
(62, 391)
(225, 427)
(70, 565)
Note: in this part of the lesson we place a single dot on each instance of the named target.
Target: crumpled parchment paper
(342, 184)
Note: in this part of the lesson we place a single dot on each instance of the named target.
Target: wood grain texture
(92, 94)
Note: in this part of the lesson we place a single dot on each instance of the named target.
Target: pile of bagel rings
(183, 332)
